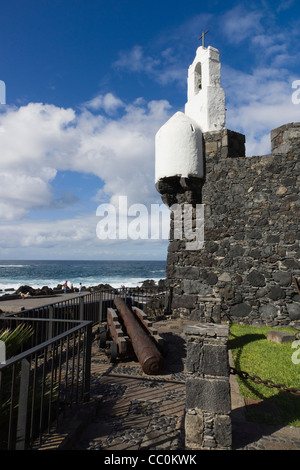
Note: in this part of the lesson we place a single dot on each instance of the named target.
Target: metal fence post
(23, 405)
(87, 365)
(81, 308)
(100, 307)
(50, 331)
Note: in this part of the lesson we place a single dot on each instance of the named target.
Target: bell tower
(188, 148)
(206, 99)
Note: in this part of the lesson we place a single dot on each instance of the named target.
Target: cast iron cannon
(132, 333)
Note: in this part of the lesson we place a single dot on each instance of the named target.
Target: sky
(87, 86)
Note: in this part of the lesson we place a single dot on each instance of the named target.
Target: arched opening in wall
(197, 78)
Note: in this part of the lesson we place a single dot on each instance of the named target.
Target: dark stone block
(236, 251)
(294, 311)
(289, 238)
(215, 361)
(276, 293)
(291, 264)
(189, 272)
(255, 234)
(212, 279)
(239, 236)
(169, 185)
(196, 287)
(256, 279)
(280, 337)
(211, 247)
(227, 292)
(223, 431)
(240, 310)
(284, 278)
(273, 239)
(184, 301)
(261, 292)
(193, 358)
(268, 312)
(197, 314)
(208, 395)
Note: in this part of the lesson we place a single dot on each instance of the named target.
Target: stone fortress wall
(248, 266)
(245, 270)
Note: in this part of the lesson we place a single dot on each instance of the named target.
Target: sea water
(37, 274)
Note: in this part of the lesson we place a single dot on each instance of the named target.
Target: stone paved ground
(138, 411)
(142, 412)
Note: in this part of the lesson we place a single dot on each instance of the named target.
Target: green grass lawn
(256, 355)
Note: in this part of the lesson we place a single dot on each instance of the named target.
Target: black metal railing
(153, 301)
(80, 307)
(37, 385)
(51, 372)
(92, 306)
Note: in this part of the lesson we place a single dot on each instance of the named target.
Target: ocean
(37, 274)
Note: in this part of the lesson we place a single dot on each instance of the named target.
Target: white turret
(178, 143)
(178, 148)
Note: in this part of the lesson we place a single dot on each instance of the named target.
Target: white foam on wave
(38, 284)
(14, 265)
(133, 282)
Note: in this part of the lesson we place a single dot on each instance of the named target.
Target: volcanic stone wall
(245, 271)
(208, 399)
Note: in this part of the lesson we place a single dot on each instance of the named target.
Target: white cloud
(120, 151)
(163, 69)
(37, 141)
(20, 193)
(135, 60)
(258, 96)
(45, 236)
(285, 5)
(257, 102)
(109, 103)
(30, 138)
(30, 133)
(241, 23)
(73, 238)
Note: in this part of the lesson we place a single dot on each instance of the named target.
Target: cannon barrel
(145, 349)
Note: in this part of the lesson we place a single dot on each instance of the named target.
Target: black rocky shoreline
(24, 291)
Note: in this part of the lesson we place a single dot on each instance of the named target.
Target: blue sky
(89, 83)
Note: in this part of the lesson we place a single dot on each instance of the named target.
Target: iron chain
(268, 383)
